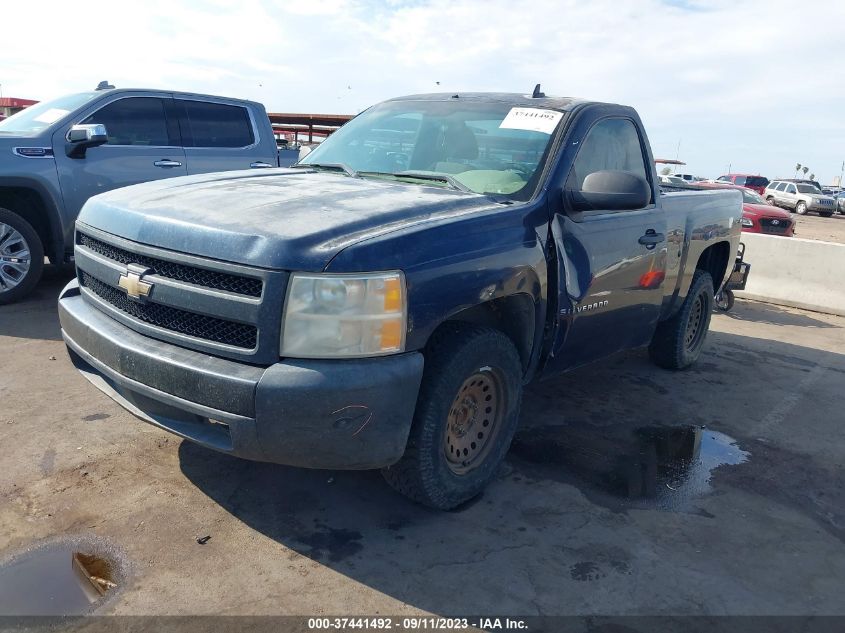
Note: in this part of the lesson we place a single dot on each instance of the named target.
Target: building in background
(11, 105)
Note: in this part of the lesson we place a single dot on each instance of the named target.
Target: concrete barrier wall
(795, 272)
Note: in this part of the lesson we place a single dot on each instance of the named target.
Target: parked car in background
(799, 197)
(754, 182)
(757, 215)
(689, 177)
(840, 202)
(57, 154)
(672, 180)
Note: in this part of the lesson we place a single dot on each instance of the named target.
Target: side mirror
(81, 137)
(611, 190)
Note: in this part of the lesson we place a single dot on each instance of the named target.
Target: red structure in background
(306, 128)
(11, 105)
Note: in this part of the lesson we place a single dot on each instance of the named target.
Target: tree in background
(812, 176)
(805, 169)
(665, 171)
(797, 169)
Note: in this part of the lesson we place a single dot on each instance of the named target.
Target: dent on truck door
(143, 145)
(612, 263)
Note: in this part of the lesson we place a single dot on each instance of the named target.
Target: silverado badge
(131, 282)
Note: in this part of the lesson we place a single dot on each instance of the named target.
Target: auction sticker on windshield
(532, 119)
(51, 116)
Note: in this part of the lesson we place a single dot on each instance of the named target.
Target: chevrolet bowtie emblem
(131, 282)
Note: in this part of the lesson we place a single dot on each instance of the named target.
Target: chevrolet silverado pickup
(382, 303)
(56, 154)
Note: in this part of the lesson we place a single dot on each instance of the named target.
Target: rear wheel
(466, 416)
(801, 208)
(21, 257)
(678, 341)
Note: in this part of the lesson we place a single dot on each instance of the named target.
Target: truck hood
(285, 219)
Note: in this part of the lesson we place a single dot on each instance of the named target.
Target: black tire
(15, 285)
(724, 300)
(771, 201)
(801, 208)
(825, 214)
(457, 354)
(671, 346)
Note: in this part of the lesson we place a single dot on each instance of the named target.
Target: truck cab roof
(563, 104)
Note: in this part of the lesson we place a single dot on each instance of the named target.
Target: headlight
(746, 222)
(344, 316)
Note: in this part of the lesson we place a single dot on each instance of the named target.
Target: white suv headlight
(344, 316)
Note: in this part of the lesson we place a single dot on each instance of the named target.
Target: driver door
(611, 263)
(144, 144)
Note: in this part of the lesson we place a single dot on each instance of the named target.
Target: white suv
(799, 197)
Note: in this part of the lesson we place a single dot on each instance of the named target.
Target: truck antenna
(537, 94)
(104, 85)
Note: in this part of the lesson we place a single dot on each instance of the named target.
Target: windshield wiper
(426, 175)
(331, 167)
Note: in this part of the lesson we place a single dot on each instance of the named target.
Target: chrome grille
(217, 280)
(182, 321)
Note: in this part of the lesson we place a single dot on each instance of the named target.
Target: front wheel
(724, 300)
(21, 257)
(678, 341)
(771, 201)
(801, 208)
(466, 416)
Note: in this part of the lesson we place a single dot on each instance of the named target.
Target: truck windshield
(41, 115)
(488, 147)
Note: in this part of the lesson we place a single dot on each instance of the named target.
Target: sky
(754, 85)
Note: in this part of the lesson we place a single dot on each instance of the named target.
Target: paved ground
(594, 512)
(814, 227)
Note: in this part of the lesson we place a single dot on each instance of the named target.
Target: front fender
(453, 265)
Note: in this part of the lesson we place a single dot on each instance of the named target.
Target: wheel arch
(714, 259)
(517, 316)
(28, 199)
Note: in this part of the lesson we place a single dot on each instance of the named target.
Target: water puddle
(60, 578)
(667, 467)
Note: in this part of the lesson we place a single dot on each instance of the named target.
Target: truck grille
(181, 321)
(180, 272)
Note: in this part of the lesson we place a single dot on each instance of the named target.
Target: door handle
(651, 239)
(258, 164)
(165, 162)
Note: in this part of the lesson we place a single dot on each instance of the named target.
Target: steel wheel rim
(694, 329)
(15, 258)
(474, 420)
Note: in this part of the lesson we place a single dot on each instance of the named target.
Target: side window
(740, 180)
(610, 144)
(133, 121)
(724, 178)
(781, 186)
(791, 189)
(217, 125)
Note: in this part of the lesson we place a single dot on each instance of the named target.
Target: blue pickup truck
(382, 303)
(56, 154)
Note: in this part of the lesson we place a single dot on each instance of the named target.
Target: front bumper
(345, 414)
(818, 206)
